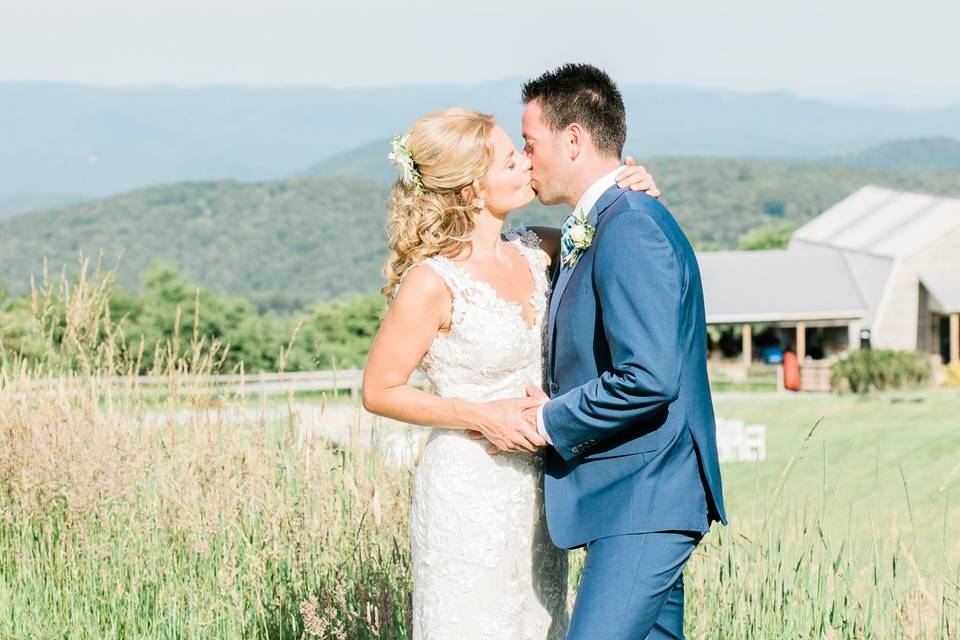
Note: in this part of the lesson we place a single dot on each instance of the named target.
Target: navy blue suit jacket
(630, 415)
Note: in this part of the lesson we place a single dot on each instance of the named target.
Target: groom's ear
(575, 137)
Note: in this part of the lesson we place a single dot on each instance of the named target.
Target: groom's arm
(639, 283)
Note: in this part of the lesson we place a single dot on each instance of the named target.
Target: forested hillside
(289, 242)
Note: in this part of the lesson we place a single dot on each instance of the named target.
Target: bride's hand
(637, 178)
(503, 424)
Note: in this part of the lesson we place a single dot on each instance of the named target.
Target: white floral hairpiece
(402, 159)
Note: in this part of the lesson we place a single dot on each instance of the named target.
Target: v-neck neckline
(517, 306)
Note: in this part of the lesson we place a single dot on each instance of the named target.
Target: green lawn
(863, 461)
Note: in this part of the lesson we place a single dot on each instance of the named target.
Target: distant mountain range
(295, 240)
(369, 162)
(91, 141)
(13, 205)
(919, 154)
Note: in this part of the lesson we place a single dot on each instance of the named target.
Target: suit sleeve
(638, 280)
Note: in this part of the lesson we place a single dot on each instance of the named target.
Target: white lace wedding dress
(483, 563)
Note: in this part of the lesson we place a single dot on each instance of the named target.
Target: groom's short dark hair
(585, 94)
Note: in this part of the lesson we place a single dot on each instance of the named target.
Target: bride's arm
(633, 177)
(420, 309)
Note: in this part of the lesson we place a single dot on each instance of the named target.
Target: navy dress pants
(632, 587)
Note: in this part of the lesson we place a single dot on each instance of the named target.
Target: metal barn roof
(881, 222)
(778, 286)
(944, 290)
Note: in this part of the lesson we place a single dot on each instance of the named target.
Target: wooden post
(954, 338)
(801, 341)
(853, 335)
(747, 344)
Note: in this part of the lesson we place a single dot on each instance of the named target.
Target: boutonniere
(581, 236)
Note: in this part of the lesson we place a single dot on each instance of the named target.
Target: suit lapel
(560, 284)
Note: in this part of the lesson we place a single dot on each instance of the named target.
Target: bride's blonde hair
(451, 152)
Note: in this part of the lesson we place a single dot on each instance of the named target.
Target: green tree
(770, 236)
(342, 331)
(233, 321)
(19, 332)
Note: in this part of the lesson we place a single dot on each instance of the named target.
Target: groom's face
(543, 148)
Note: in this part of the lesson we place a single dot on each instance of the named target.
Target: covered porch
(750, 353)
(763, 304)
(755, 340)
(943, 302)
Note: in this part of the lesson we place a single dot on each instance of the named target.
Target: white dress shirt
(584, 204)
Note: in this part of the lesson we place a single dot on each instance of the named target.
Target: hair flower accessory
(402, 159)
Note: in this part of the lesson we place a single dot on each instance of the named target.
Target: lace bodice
(491, 350)
(483, 564)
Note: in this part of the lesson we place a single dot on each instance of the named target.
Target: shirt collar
(594, 191)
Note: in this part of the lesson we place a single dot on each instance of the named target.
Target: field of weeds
(196, 526)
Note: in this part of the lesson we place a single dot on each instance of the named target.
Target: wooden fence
(758, 377)
(263, 384)
(814, 376)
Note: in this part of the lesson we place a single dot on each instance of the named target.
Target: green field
(202, 528)
(885, 464)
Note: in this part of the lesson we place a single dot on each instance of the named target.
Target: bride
(466, 306)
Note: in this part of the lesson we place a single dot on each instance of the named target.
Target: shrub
(951, 374)
(880, 370)
(770, 236)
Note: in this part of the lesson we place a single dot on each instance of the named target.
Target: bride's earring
(479, 204)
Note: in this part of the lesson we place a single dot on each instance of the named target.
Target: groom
(633, 472)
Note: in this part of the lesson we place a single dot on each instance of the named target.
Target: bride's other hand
(637, 178)
(504, 426)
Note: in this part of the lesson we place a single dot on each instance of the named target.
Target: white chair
(737, 442)
(755, 442)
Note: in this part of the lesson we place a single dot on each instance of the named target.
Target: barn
(881, 268)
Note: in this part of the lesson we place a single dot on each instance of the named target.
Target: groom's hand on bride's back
(505, 425)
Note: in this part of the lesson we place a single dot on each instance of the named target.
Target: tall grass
(775, 572)
(193, 526)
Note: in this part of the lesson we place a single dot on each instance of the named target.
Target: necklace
(509, 261)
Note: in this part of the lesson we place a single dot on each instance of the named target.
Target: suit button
(554, 387)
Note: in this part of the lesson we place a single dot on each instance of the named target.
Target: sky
(875, 52)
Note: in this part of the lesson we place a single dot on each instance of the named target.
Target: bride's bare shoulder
(422, 284)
